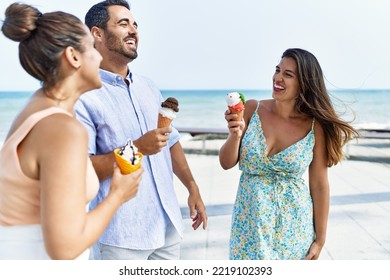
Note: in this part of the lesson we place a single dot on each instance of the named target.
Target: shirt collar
(113, 78)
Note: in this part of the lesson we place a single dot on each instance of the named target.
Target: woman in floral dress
(276, 214)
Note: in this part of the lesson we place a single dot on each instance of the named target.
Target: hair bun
(20, 21)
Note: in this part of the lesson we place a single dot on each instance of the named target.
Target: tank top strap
(312, 123)
(20, 133)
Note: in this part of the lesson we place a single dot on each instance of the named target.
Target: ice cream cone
(236, 104)
(163, 121)
(167, 112)
(240, 114)
(125, 166)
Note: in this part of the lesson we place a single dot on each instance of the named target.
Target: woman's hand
(229, 152)
(126, 186)
(236, 128)
(314, 251)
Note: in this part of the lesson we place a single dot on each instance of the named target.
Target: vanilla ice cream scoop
(167, 112)
(233, 98)
(128, 157)
(236, 104)
(130, 152)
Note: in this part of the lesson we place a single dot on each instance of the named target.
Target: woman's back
(20, 194)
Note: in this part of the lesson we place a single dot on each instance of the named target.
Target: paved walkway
(359, 218)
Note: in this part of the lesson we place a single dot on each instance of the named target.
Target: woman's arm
(319, 189)
(229, 152)
(68, 230)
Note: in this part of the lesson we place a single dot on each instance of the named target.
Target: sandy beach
(358, 228)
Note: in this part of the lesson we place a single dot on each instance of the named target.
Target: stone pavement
(359, 218)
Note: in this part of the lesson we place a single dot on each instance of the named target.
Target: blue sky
(235, 44)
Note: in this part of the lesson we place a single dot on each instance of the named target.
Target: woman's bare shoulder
(61, 126)
(250, 107)
(265, 103)
(251, 103)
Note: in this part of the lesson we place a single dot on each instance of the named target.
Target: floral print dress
(273, 212)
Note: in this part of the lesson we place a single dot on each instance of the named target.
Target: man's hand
(197, 211)
(153, 141)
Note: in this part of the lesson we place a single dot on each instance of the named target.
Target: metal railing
(205, 133)
(363, 132)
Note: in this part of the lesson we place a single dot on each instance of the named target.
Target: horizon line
(225, 89)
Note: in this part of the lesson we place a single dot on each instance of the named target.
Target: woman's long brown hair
(315, 101)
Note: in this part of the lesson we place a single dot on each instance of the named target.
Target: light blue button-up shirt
(112, 115)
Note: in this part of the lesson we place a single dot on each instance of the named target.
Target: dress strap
(257, 107)
(258, 104)
(312, 123)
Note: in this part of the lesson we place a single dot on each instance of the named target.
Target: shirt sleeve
(174, 137)
(85, 118)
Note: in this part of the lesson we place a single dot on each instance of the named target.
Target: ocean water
(205, 108)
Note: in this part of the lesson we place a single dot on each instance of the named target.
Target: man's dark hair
(98, 13)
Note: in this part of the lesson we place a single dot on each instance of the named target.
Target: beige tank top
(19, 194)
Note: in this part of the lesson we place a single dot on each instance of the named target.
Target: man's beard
(114, 44)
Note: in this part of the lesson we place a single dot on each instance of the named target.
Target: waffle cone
(240, 114)
(163, 121)
(125, 166)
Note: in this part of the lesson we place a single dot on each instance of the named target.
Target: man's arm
(103, 165)
(182, 171)
(150, 143)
